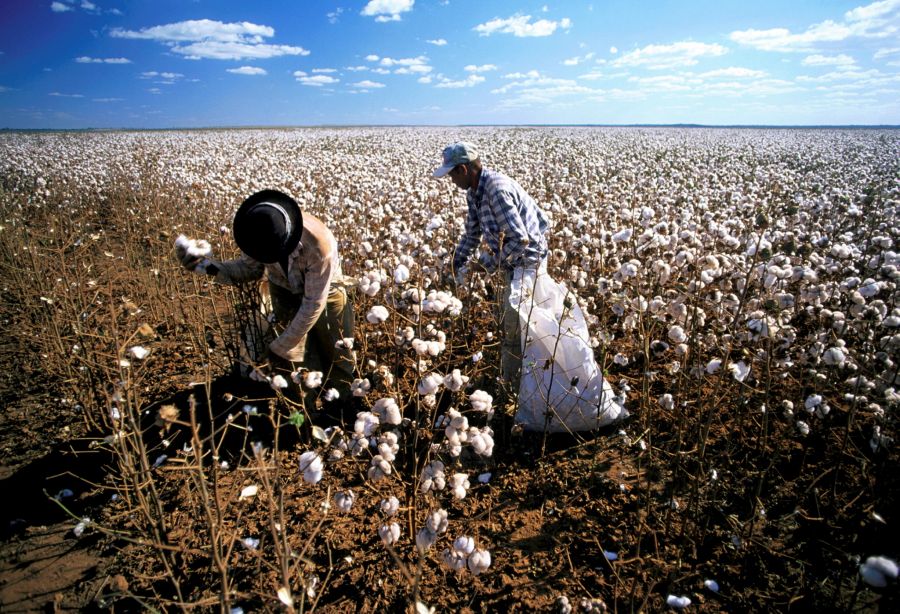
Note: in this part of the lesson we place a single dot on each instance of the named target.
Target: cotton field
(741, 291)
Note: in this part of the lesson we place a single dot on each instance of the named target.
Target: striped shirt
(509, 220)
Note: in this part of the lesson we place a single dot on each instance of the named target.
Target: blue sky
(183, 63)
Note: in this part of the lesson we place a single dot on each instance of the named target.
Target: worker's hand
(193, 254)
(289, 354)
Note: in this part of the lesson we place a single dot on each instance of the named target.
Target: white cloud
(315, 80)
(469, 81)
(887, 51)
(169, 76)
(578, 59)
(88, 60)
(482, 68)
(870, 78)
(59, 95)
(426, 79)
(532, 80)
(107, 99)
(88, 6)
(401, 66)
(387, 10)
(367, 84)
(521, 26)
(3, 88)
(875, 20)
(841, 60)
(531, 74)
(324, 70)
(334, 15)
(59, 7)
(440, 42)
(733, 72)
(248, 70)
(207, 39)
(613, 50)
(356, 68)
(659, 57)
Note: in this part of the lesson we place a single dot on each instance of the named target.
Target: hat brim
(285, 202)
(443, 170)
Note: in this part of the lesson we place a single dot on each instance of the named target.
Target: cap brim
(443, 170)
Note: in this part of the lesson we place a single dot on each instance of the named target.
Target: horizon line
(529, 125)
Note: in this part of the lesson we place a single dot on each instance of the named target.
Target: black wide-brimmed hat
(268, 225)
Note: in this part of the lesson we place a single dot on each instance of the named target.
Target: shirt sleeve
(505, 209)
(239, 271)
(469, 240)
(318, 273)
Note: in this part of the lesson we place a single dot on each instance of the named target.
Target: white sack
(559, 373)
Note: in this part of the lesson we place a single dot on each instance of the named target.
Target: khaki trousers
(335, 323)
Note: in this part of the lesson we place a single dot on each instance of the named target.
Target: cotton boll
(623, 236)
(834, 356)
(481, 441)
(311, 466)
(250, 543)
(481, 401)
(360, 387)
(679, 603)
(390, 506)
(430, 384)
(459, 485)
(455, 380)
(454, 559)
(389, 533)
(249, 492)
(479, 562)
(388, 411)
(331, 394)
(313, 379)
(812, 401)
(666, 401)
(436, 522)
(379, 469)
(377, 314)
(139, 352)
(711, 585)
(401, 274)
(802, 428)
(464, 545)
(878, 570)
(279, 383)
(677, 334)
(344, 500)
(433, 477)
(739, 370)
(366, 423)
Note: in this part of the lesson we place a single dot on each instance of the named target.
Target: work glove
(193, 254)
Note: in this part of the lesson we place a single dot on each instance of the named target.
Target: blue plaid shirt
(513, 226)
